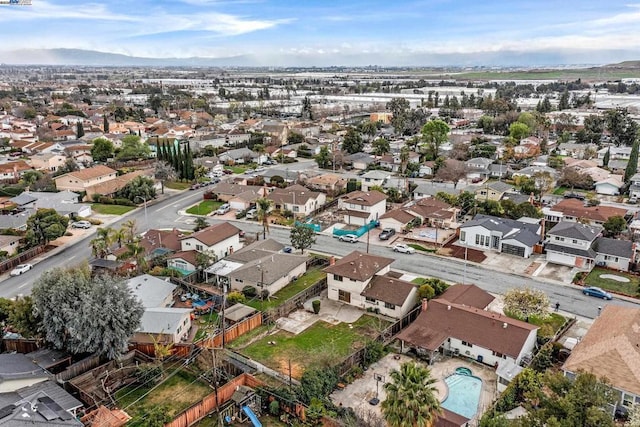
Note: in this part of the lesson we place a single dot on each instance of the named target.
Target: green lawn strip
(303, 282)
(420, 247)
(205, 207)
(111, 209)
(237, 169)
(561, 190)
(244, 339)
(177, 392)
(626, 288)
(177, 185)
(207, 324)
(548, 325)
(419, 281)
(320, 341)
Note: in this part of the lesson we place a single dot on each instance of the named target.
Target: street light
(146, 218)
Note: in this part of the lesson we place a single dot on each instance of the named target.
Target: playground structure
(242, 407)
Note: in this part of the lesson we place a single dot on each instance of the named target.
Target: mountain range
(539, 58)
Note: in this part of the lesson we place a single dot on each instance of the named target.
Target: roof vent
(449, 307)
(504, 325)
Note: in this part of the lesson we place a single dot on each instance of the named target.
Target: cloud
(47, 11)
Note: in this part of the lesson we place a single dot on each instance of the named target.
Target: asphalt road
(165, 214)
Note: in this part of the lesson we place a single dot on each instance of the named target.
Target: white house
(297, 199)
(610, 186)
(613, 253)
(374, 178)
(219, 240)
(152, 291)
(361, 280)
(362, 207)
(634, 187)
(168, 325)
(486, 232)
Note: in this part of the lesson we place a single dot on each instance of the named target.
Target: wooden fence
(212, 402)
(19, 259)
(178, 350)
(78, 368)
(20, 345)
(232, 332)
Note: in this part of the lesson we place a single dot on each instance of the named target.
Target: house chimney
(424, 304)
(504, 325)
(332, 260)
(449, 308)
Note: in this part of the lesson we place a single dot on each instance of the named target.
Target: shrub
(264, 294)
(249, 291)
(241, 214)
(426, 291)
(274, 408)
(316, 306)
(235, 297)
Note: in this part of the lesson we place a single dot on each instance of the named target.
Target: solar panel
(7, 410)
(56, 409)
(46, 413)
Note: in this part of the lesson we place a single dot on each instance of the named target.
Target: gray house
(239, 155)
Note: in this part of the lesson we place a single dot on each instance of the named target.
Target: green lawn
(321, 342)
(238, 168)
(177, 185)
(206, 324)
(204, 208)
(629, 288)
(561, 190)
(176, 393)
(420, 247)
(111, 209)
(548, 326)
(303, 282)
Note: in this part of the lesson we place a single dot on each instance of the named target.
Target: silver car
(351, 238)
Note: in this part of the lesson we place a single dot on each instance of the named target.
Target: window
(463, 236)
(198, 247)
(574, 241)
(371, 300)
(496, 353)
(467, 344)
(337, 278)
(477, 239)
(389, 306)
(239, 280)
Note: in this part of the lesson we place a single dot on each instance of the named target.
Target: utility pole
(215, 385)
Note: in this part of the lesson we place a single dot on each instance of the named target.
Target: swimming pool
(464, 392)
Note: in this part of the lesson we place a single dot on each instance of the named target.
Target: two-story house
(478, 167)
(573, 210)
(374, 178)
(493, 190)
(297, 199)
(582, 246)
(219, 240)
(634, 187)
(362, 207)
(80, 180)
(570, 243)
(12, 171)
(362, 280)
(505, 235)
(48, 162)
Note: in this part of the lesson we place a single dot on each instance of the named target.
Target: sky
(332, 32)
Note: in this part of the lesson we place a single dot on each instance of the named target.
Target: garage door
(513, 250)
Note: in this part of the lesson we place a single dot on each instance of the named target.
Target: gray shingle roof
(150, 290)
(160, 320)
(503, 225)
(619, 248)
(574, 230)
(590, 253)
(16, 366)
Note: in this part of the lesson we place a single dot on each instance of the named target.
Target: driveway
(511, 263)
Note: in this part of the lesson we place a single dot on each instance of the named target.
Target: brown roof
(104, 417)
(214, 233)
(450, 419)
(611, 348)
(358, 214)
(326, 179)
(189, 256)
(17, 166)
(169, 239)
(401, 215)
(388, 289)
(233, 189)
(577, 209)
(444, 319)
(359, 266)
(90, 173)
(286, 195)
(364, 198)
(109, 187)
(469, 295)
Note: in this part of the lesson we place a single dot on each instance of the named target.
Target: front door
(344, 296)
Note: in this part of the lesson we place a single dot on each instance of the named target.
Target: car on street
(594, 291)
(351, 238)
(81, 224)
(386, 233)
(402, 248)
(20, 269)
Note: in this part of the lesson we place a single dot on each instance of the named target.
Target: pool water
(464, 393)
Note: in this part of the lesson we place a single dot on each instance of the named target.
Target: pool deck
(358, 394)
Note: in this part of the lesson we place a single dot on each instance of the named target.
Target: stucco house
(165, 325)
(362, 207)
(374, 178)
(505, 235)
(80, 180)
(219, 240)
(493, 190)
(363, 280)
(297, 199)
(48, 162)
(611, 349)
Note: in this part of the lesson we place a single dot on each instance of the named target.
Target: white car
(223, 209)
(81, 224)
(351, 238)
(21, 268)
(403, 249)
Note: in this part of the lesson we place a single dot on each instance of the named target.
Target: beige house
(9, 244)
(362, 207)
(329, 183)
(49, 162)
(82, 179)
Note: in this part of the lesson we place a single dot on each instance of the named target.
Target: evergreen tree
(605, 160)
(105, 123)
(632, 166)
(563, 104)
(79, 130)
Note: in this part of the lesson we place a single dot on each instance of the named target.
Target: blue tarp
(359, 232)
(314, 227)
(254, 420)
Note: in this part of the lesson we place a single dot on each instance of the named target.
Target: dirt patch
(532, 268)
(296, 369)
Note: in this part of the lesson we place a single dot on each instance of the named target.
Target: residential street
(165, 214)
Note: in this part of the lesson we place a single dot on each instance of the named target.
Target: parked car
(351, 238)
(594, 291)
(402, 248)
(386, 233)
(20, 269)
(223, 209)
(287, 249)
(194, 187)
(81, 224)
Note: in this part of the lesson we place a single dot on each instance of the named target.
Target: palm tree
(98, 248)
(263, 214)
(129, 228)
(200, 224)
(118, 236)
(411, 397)
(404, 158)
(105, 233)
(136, 252)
